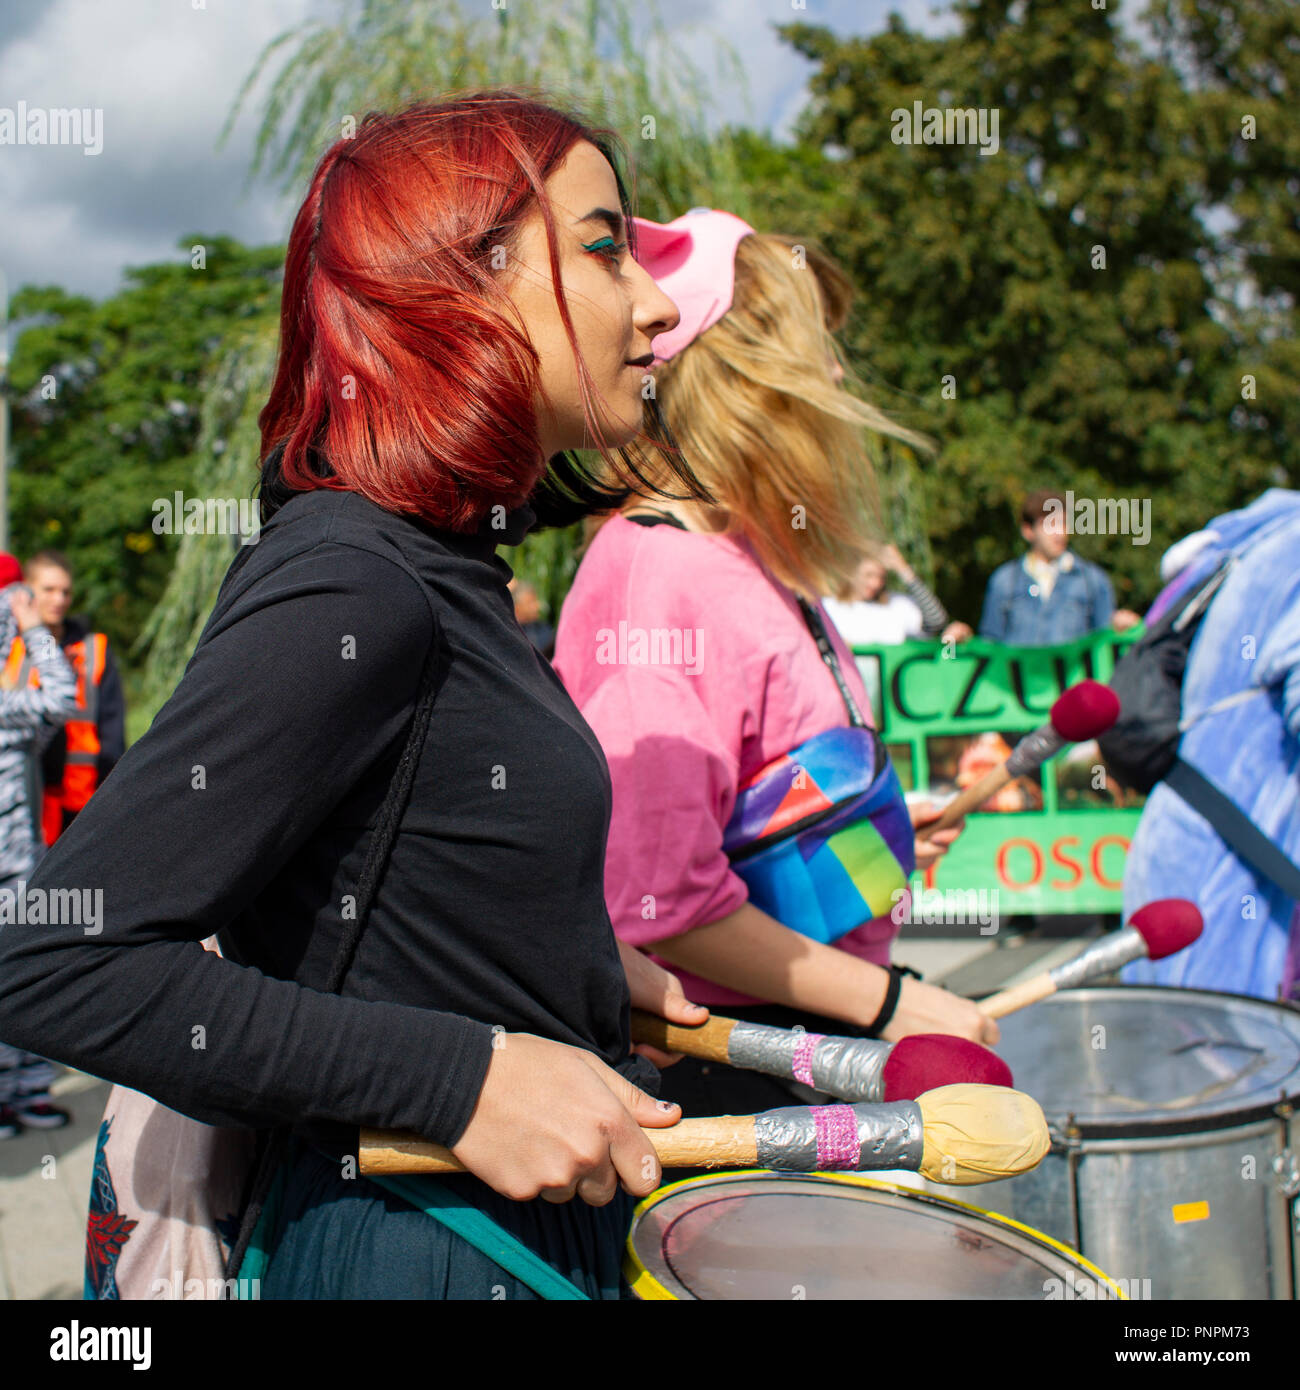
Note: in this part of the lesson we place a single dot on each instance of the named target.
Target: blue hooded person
(1241, 731)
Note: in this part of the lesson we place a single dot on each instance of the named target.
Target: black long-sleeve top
(244, 812)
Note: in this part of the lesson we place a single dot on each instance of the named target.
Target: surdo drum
(1174, 1142)
(763, 1235)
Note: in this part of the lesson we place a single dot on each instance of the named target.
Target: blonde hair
(847, 589)
(754, 408)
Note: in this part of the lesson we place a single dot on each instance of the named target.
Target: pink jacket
(695, 668)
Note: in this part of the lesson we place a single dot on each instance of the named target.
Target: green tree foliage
(1243, 59)
(228, 438)
(986, 270)
(106, 405)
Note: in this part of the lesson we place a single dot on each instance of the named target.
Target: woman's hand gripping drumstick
(955, 1134)
(553, 1121)
(1157, 930)
(581, 1119)
(852, 1069)
(1084, 711)
(656, 992)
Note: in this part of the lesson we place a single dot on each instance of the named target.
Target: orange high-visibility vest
(80, 767)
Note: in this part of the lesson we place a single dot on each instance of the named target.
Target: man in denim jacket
(1050, 594)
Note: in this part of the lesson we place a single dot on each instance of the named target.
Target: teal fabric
(325, 1236)
(484, 1234)
(256, 1257)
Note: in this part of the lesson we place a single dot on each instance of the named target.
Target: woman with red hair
(367, 784)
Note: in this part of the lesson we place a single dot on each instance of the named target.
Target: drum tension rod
(1286, 1164)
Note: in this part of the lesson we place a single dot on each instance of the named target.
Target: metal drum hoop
(1181, 1123)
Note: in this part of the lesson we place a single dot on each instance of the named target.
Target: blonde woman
(695, 646)
(867, 612)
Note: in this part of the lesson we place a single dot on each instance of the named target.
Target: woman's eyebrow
(613, 220)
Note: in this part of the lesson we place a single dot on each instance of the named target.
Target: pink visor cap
(693, 260)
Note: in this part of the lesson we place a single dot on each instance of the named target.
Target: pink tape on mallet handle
(803, 1055)
(837, 1137)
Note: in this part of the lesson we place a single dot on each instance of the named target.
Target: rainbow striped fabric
(821, 835)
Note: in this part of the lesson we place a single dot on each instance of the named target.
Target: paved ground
(44, 1190)
(45, 1176)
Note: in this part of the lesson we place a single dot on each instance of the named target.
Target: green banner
(949, 712)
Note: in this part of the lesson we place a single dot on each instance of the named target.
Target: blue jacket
(1248, 640)
(1082, 601)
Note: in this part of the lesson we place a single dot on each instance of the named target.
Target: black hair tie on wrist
(881, 1020)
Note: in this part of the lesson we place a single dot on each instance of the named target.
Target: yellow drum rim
(649, 1290)
(646, 1287)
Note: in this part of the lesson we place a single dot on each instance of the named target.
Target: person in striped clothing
(29, 718)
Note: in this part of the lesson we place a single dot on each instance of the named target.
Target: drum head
(1132, 1060)
(780, 1236)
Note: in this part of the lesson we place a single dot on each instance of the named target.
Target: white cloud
(165, 74)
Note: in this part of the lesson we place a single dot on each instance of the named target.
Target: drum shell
(1113, 1200)
(1117, 1199)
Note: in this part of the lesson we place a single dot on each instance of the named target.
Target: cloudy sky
(165, 73)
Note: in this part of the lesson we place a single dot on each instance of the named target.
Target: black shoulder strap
(390, 817)
(818, 629)
(653, 517)
(372, 872)
(1191, 606)
(1239, 832)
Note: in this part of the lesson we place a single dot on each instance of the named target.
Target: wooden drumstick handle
(969, 800)
(716, 1142)
(1007, 1001)
(708, 1040)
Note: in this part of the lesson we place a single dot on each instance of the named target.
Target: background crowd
(62, 729)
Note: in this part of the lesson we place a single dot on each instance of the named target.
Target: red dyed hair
(401, 361)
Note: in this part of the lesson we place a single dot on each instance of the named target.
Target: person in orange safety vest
(82, 753)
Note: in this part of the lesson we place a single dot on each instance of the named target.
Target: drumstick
(853, 1069)
(1157, 930)
(1080, 713)
(960, 1134)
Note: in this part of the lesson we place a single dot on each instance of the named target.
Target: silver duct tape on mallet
(845, 1138)
(1102, 958)
(1034, 750)
(850, 1068)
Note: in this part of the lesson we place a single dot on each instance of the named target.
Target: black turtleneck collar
(517, 524)
(498, 527)
(511, 527)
